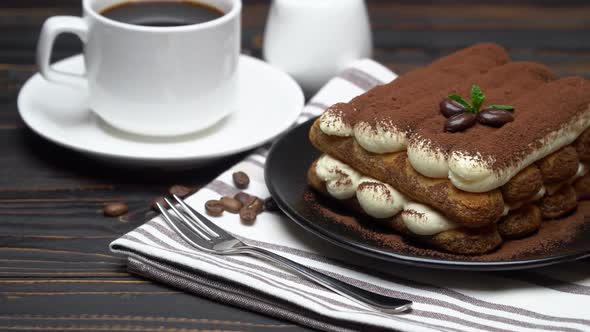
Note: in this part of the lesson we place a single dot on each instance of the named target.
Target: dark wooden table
(56, 272)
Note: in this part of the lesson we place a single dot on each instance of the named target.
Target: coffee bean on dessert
(115, 209)
(241, 180)
(460, 122)
(214, 208)
(244, 198)
(256, 205)
(231, 204)
(160, 200)
(495, 117)
(180, 191)
(248, 215)
(449, 107)
(270, 205)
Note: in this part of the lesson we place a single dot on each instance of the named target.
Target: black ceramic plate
(286, 168)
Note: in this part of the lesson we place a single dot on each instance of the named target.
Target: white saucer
(269, 103)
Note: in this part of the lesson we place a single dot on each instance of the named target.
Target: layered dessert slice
(461, 175)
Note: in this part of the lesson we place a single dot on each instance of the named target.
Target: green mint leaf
(462, 101)
(477, 97)
(501, 107)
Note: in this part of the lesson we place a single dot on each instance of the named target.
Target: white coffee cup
(157, 81)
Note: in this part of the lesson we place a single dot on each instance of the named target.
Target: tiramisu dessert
(463, 154)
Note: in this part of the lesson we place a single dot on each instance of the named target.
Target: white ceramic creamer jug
(313, 40)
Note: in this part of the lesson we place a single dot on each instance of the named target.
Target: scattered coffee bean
(214, 208)
(495, 117)
(256, 205)
(460, 122)
(248, 215)
(244, 198)
(231, 204)
(160, 200)
(115, 209)
(449, 107)
(241, 180)
(270, 205)
(180, 191)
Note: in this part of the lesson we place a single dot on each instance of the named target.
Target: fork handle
(361, 296)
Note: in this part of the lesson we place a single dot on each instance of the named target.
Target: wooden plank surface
(56, 272)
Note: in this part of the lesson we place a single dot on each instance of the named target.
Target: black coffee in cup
(162, 13)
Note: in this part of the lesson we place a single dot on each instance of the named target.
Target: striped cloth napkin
(553, 299)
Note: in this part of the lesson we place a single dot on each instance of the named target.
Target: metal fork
(204, 235)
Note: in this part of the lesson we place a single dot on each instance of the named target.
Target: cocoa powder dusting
(376, 187)
(542, 104)
(502, 85)
(344, 111)
(556, 237)
(414, 213)
(432, 82)
(537, 114)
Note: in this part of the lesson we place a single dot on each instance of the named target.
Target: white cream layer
(332, 123)
(473, 173)
(341, 180)
(378, 199)
(380, 139)
(422, 220)
(428, 159)
(468, 172)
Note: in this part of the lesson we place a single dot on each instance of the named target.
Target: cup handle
(53, 27)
